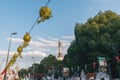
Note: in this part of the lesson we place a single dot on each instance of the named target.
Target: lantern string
(33, 25)
(37, 18)
(29, 32)
(48, 2)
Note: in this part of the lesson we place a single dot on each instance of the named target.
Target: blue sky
(19, 16)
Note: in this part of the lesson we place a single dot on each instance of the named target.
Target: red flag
(3, 71)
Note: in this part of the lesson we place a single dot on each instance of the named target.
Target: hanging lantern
(117, 59)
(27, 37)
(8, 66)
(12, 61)
(94, 65)
(19, 49)
(44, 13)
(25, 44)
(15, 55)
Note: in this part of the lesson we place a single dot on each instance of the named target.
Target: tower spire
(60, 56)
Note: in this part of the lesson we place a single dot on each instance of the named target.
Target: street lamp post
(8, 53)
(33, 66)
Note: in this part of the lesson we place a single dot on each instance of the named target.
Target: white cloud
(16, 40)
(45, 40)
(37, 44)
(39, 48)
(68, 37)
(35, 53)
(6, 52)
(54, 39)
(43, 46)
(3, 52)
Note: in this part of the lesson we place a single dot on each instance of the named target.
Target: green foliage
(49, 61)
(99, 36)
(22, 73)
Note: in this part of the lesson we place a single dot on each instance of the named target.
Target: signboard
(102, 61)
(102, 64)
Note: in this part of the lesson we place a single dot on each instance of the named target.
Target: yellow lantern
(15, 55)
(45, 13)
(27, 37)
(25, 44)
(8, 66)
(12, 60)
(19, 49)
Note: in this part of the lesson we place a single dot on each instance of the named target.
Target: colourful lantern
(19, 49)
(44, 13)
(27, 37)
(25, 44)
(15, 55)
(9, 64)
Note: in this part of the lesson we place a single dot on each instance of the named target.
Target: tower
(60, 56)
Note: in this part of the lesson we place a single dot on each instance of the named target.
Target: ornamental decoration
(27, 37)
(19, 50)
(44, 13)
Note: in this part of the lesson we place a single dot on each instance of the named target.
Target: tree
(22, 73)
(53, 65)
(49, 61)
(99, 36)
